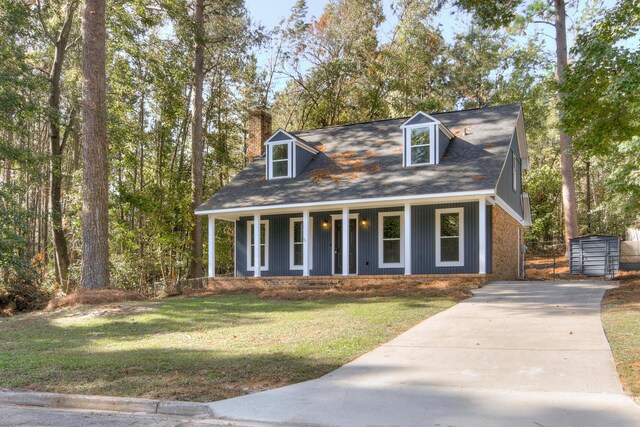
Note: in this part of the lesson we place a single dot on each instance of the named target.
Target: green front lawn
(200, 349)
(621, 320)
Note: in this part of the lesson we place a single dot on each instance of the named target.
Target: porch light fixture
(325, 224)
(364, 221)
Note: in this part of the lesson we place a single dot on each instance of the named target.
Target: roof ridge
(348, 124)
(399, 118)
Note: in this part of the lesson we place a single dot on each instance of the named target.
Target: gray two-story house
(430, 194)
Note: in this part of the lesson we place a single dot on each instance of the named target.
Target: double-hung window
(296, 244)
(391, 239)
(264, 246)
(280, 160)
(420, 145)
(450, 237)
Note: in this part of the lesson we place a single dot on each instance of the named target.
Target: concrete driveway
(516, 354)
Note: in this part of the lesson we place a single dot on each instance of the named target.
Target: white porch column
(305, 243)
(407, 239)
(482, 227)
(345, 241)
(212, 246)
(256, 245)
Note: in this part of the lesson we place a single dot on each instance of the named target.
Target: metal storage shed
(595, 255)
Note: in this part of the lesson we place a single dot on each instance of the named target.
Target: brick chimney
(259, 125)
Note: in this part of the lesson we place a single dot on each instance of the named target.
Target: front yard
(200, 349)
(621, 320)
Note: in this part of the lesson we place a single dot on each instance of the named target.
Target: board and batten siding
(280, 136)
(443, 143)
(368, 252)
(302, 158)
(423, 242)
(504, 188)
(279, 245)
(278, 262)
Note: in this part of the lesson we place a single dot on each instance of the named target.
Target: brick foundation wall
(330, 281)
(505, 249)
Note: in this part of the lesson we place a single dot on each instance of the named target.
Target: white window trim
(381, 263)
(460, 261)
(292, 221)
(290, 157)
(514, 172)
(266, 247)
(433, 143)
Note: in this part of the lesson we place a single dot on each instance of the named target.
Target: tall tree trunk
(141, 242)
(95, 188)
(56, 149)
(7, 162)
(566, 155)
(588, 195)
(195, 269)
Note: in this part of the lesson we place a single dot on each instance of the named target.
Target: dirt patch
(93, 297)
(456, 290)
(558, 269)
(549, 269)
(115, 310)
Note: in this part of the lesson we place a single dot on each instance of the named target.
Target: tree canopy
(359, 60)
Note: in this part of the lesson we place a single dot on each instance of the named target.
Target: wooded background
(181, 77)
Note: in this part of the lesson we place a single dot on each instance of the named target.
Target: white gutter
(414, 199)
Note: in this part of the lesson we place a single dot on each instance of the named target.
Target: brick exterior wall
(259, 129)
(504, 242)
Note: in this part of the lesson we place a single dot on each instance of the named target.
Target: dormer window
(421, 136)
(280, 156)
(421, 144)
(280, 164)
(286, 155)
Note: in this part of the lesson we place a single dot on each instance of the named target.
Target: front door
(337, 242)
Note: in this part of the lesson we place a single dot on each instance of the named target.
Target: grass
(199, 349)
(621, 320)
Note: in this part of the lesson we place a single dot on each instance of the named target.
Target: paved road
(33, 416)
(523, 353)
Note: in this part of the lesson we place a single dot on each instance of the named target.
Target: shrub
(21, 295)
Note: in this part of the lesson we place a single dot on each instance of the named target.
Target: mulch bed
(456, 290)
(93, 297)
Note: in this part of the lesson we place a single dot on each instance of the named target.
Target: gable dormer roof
(282, 135)
(421, 117)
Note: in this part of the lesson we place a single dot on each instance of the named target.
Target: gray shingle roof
(364, 160)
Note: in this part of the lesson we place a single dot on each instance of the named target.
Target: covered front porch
(430, 235)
